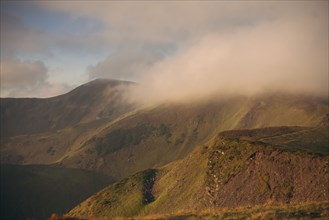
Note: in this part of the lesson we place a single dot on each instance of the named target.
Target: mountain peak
(109, 81)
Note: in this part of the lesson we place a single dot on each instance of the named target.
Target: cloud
(285, 54)
(16, 72)
(27, 79)
(129, 63)
(220, 46)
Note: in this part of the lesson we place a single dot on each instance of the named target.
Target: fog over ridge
(287, 56)
(175, 50)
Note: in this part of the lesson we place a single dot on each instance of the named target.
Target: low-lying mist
(282, 55)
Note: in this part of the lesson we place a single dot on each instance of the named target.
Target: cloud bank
(187, 50)
(288, 54)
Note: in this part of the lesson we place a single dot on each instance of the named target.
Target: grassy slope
(311, 139)
(178, 182)
(49, 147)
(206, 178)
(96, 99)
(38, 190)
(188, 125)
(157, 135)
(124, 198)
(310, 210)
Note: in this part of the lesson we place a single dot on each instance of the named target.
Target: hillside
(165, 158)
(227, 172)
(36, 191)
(156, 135)
(97, 99)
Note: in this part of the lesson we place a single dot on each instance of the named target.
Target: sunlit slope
(225, 172)
(311, 139)
(124, 198)
(36, 191)
(97, 99)
(96, 129)
(48, 147)
(156, 136)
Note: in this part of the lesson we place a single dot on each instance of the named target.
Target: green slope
(311, 139)
(153, 137)
(311, 210)
(36, 191)
(124, 198)
(227, 172)
(100, 98)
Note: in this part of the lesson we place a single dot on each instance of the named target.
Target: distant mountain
(36, 191)
(235, 169)
(97, 99)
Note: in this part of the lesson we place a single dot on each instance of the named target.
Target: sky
(175, 50)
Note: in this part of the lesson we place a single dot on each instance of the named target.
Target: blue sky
(49, 47)
(65, 65)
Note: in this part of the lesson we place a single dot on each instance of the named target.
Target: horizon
(128, 91)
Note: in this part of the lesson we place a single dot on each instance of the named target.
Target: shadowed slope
(97, 99)
(156, 136)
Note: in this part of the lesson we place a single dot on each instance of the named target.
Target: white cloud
(129, 62)
(27, 79)
(242, 46)
(281, 55)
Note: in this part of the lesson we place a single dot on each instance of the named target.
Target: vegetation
(125, 198)
(187, 166)
(310, 210)
(121, 138)
(223, 173)
(310, 139)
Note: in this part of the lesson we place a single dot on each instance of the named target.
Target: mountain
(162, 156)
(157, 136)
(36, 191)
(227, 172)
(97, 99)
(154, 136)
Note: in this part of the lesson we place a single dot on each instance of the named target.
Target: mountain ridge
(161, 152)
(139, 138)
(35, 115)
(227, 172)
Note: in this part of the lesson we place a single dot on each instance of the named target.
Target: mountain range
(164, 159)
